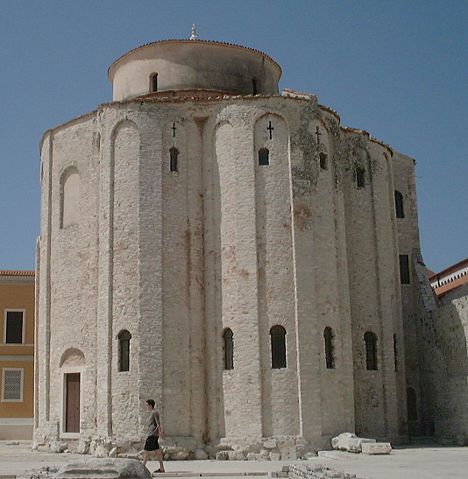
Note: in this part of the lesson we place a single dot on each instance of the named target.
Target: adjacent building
(450, 278)
(17, 308)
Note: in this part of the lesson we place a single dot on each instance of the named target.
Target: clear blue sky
(398, 69)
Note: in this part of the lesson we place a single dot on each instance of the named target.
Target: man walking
(155, 432)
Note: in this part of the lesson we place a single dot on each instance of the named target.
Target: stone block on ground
(270, 444)
(236, 455)
(57, 447)
(83, 446)
(200, 455)
(375, 448)
(108, 468)
(180, 455)
(348, 441)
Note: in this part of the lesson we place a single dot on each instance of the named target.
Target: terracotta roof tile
(16, 272)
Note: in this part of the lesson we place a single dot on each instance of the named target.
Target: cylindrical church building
(227, 250)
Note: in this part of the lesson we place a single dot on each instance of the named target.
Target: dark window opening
(254, 86)
(411, 404)
(323, 161)
(124, 350)
(399, 211)
(14, 327)
(404, 269)
(278, 347)
(371, 351)
(228, 349)
(329, 353)
(360, 175)
(174, 154)
(154, 82)
(395, 352)
(263, 157)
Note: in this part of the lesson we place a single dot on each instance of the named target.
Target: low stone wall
(285, 448)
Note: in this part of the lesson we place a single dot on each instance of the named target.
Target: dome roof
(171, 65)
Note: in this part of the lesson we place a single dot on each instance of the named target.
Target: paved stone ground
(407, 463)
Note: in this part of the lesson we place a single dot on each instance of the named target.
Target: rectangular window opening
(404, 269)
(12, 387)
(14, 327)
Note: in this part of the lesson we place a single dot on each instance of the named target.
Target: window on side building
(12, 385)
(14, 327)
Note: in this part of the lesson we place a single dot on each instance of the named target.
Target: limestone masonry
(230, 251)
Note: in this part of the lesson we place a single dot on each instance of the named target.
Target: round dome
(181, 65)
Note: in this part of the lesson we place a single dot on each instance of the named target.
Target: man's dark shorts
(151, 443)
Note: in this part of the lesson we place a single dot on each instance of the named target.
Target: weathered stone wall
(443, 343)
(176, 257)
(68, 276)
(451, 418)
(374, 289)
(408, 244)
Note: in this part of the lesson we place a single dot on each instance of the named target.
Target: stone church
(231, 251)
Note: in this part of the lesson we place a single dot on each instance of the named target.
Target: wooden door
(72, 402)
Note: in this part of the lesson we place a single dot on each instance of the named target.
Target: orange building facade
(16, 354)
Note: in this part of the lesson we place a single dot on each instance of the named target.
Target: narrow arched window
(371, 351)
(124, 350)
(395, 352)
(278, 347)
(360, 176)
(400, 212)
(329, 353)
(254, 86)
(153, 82)
(263, 157)
(323, 161)
(70, 197)
(411, 404)
(173, 154)
(228, 349)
